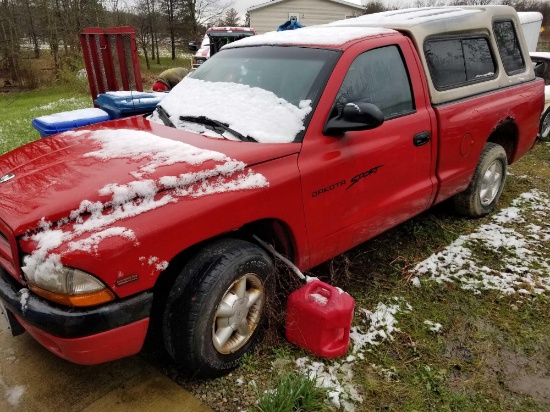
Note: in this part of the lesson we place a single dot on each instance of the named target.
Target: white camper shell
(425, 26)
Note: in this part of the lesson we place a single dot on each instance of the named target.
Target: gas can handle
(323, 291)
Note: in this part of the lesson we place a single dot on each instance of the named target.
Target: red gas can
(319, 319)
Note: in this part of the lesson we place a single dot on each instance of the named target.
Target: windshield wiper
(164, 116)
(216, 124)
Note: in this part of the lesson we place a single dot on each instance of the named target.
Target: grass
(492, 353)
(293, 393)
(18, 109)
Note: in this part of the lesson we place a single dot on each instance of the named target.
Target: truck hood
(53, 176)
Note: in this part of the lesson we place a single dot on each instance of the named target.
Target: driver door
(358, 184)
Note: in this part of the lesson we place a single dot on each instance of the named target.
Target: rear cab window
(458, 61)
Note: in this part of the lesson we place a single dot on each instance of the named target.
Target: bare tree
(170, 11)
(203, 12)
(141, 22)
(32, 29)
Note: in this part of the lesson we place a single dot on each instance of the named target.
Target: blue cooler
(61, 122)
(128, 103)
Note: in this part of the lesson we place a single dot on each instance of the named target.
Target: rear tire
(216, 309)
(544, 128)
(483, 192)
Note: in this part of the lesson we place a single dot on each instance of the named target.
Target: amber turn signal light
(86, 299)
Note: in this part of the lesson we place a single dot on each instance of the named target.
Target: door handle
(421, 138)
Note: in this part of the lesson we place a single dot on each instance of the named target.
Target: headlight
(68, 286)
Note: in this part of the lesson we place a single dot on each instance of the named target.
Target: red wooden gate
(111, 59)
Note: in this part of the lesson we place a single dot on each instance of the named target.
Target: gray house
(268, 16)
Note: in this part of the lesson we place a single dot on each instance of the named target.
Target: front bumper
(81, 335)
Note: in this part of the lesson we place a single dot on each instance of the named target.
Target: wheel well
(272, 231)
(506, 134)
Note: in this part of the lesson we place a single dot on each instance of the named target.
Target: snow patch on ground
(433, 326)
(66, 104)
(12, 394)
(523, 268)
(337, 376)
(381, 322)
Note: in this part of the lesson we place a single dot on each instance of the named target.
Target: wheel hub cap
(238, 314)
(490, 184)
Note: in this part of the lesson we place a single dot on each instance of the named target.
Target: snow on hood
(93, 222)
(252, 111)
(314, 35)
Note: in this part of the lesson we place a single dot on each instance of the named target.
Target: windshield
(262, 92)
(289, 72)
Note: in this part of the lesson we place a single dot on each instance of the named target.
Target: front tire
(216, 309)
(483, 192)
(544, 128)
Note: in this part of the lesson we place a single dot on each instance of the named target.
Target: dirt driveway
(32, 379)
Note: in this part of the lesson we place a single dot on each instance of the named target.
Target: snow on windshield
(251, 111)
(93, 222)
(315, 35)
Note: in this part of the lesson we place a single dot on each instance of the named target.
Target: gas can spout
(285, 260)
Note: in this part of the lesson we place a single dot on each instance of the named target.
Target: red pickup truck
(313, 140)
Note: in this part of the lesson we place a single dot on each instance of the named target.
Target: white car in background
(541, 60)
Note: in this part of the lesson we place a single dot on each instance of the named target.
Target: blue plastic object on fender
(128, 103)
(61, 122)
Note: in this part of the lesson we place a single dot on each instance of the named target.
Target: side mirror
(355, 117)
(192, 46)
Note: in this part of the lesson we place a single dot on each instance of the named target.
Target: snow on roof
(271, 3)
(313, 35)
(408, 17)
(526, 17)
(252, 111)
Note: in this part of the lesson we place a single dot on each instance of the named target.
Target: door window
(379, 77)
